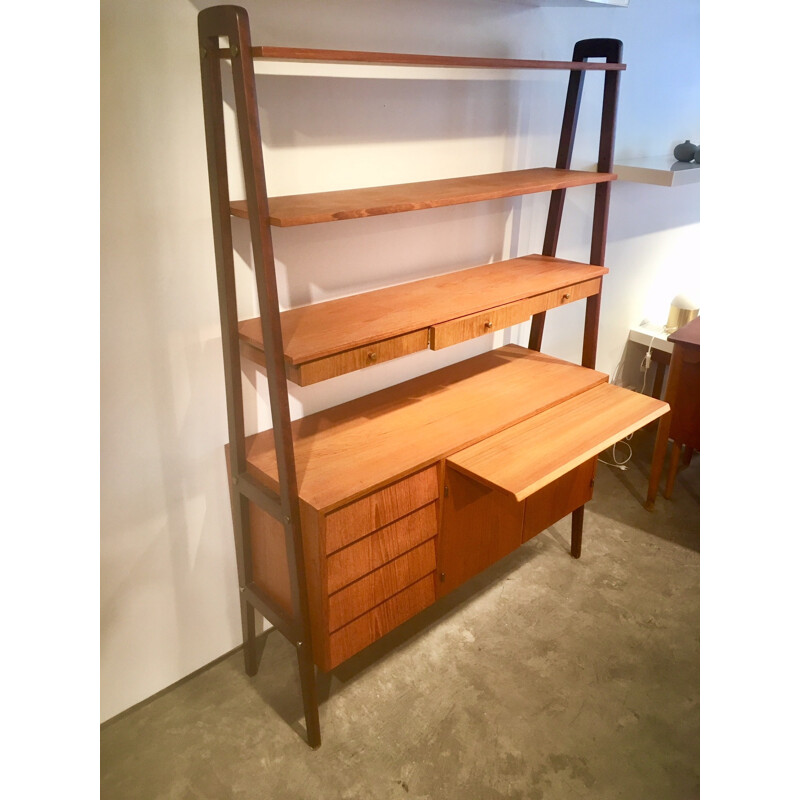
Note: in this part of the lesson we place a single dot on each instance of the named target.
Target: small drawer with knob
(321, 369)
(469, 327)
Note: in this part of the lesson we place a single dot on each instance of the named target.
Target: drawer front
(474, 325)
(559, 498)
(379, 548)
(359, 358)
(378, 586)
(353, 521)
(369, 627)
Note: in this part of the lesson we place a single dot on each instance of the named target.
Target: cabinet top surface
(393, 432)
(371, 201)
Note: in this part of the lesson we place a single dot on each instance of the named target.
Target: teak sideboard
(352, 520)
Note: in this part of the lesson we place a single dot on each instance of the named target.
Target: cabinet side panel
(559, 498)
(480, 525)
(270, 562)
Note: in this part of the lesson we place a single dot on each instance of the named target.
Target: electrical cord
(617, 463)
(620, 463)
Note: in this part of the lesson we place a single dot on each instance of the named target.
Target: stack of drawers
(380, 562)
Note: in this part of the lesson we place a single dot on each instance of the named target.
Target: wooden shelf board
(416, 59)
(307, 209)
(391, 433)
(528, 456)
(315, 331)
(658, 171)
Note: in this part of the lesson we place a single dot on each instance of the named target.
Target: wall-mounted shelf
(658, 171)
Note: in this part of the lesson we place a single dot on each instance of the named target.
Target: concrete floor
(544, 677)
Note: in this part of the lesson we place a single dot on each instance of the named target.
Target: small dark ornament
(685, 151)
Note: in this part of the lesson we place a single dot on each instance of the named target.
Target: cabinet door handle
(372, 356)
(565, 297)
(489, 324)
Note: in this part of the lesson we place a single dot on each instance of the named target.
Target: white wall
(168, 585)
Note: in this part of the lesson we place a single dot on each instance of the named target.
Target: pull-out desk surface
(529, 456)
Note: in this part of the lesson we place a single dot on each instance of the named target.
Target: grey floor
(544, 677)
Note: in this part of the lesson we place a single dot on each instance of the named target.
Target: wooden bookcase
(350, 521)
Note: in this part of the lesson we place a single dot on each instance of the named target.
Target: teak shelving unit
(350, 521)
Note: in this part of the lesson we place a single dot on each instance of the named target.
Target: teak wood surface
(523, 459)
(382, 583)
(378, 548)
(371, 201)
(414, 59)
(357, 519)
(323, 329)
(391, 433)
(369, 627)
(479, 527)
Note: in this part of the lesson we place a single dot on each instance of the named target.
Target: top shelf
(305, 209)
(415, 59)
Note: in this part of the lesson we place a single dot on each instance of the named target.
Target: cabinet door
(559, 498)
(479, 526)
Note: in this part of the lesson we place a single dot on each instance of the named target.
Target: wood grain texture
(378, 509)
(378, 586)
(414, 59)
(350, 360)
(269, 560)
(401, 429)
(324, 329)
(372, 201)
(369, 627)
(493, 319)
(479, 526)
(378, 548)
(316, 579)
(559, 498)
(523, 459)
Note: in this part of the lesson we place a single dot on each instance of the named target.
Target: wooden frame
(283, 505)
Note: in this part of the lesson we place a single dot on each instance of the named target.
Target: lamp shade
(681, 312)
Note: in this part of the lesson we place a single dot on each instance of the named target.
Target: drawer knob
(489, 324)
(565, 297)
(372, 356)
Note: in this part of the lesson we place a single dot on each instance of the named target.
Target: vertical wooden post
(611, 50)
(577, 532)
(232, 22)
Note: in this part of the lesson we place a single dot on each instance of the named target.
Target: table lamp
(682, 311)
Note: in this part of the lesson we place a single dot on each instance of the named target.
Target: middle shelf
(306, 209)
(338, 336)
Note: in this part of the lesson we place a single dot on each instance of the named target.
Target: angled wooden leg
(308, 686)
(657, 464)
(537, 330)
(249, 637)
(674, 460)
(577, 532)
